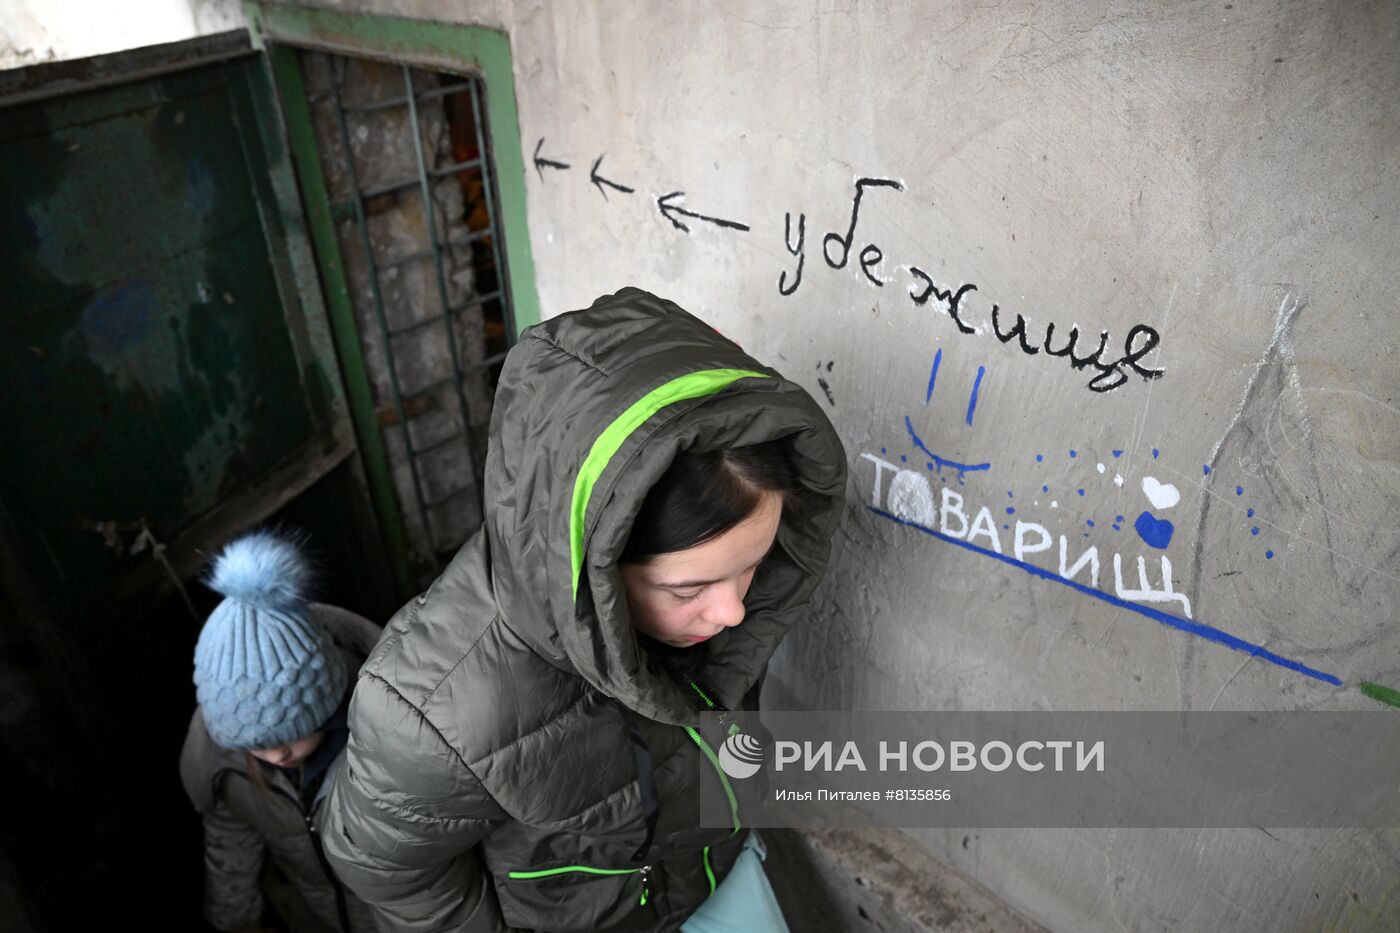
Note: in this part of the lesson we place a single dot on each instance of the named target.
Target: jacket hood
(591, 408)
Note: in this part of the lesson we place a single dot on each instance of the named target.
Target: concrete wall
(1221, 173)
(37, 31)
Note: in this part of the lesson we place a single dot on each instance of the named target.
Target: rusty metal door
(168, 378)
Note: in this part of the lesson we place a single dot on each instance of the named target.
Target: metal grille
(415, 207)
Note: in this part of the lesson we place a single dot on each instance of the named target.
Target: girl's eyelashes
(686, 597)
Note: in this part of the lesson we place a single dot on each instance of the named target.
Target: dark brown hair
(704, 494)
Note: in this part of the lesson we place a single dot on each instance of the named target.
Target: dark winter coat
(491, 776)
(243, 825)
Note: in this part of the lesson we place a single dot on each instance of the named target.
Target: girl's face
(685, 597)
(289, 755)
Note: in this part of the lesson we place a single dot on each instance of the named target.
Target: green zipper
(709, 753)
(705, 853)
(708, 702)
(587, 870)
(728, 791)
(545, 873)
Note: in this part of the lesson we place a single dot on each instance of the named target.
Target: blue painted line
(933, 375)
(941, 462)
(976, 387)
(1209, 633)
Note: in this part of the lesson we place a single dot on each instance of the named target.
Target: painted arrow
(669, 211)
(600, 181)
(541, 164)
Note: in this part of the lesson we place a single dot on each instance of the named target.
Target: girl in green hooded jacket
(659, 507)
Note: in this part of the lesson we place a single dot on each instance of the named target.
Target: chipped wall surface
(1212, 185)
(37, 31)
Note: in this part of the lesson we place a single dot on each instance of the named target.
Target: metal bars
(449, 314)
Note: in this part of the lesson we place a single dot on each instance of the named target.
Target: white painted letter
(1021, 756)
(1091, 557)
(911, 500)
(785, 753)
(1022, 548)
(880, 467)
(962, 756)
(984, 524)
(949, 497)
(902, 755)
(1095, 753)
(1146, 593)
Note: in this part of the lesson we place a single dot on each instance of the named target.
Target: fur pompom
(261, 569)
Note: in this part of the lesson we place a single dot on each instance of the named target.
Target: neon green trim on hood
(693, 385)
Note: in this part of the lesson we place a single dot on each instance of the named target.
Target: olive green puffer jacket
(493, 775)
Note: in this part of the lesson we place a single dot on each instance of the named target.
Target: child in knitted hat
(272, 673)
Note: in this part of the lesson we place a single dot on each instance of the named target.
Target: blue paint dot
(1205, 469)
(1074, 453)
(1248, 513)
(1044, 488)
(1116, 528)
(1081, 492)
(1155, 532)
(1010, 510)
(1005, 527)
(1269, 555)
(884, 450)
(1118, 518)
(930, 466)
(1086, 534)
(1155, 452)
(1239, 490)
(1254, 531)
(903, 458)
(1118, 453)
(1089, 522)
(1009, 495)
(1040, 458)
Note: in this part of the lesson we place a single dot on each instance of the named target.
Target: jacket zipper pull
(646, 883)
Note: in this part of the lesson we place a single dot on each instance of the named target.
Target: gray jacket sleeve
(404, 817)
(233, 860)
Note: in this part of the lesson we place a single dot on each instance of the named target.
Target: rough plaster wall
(35, 31)
(1224, 173)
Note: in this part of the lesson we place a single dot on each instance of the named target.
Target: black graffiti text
(871, 255)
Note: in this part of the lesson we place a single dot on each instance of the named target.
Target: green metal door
(166, 370)
(168, 379)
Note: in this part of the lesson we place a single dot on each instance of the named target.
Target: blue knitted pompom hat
(266, 673)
